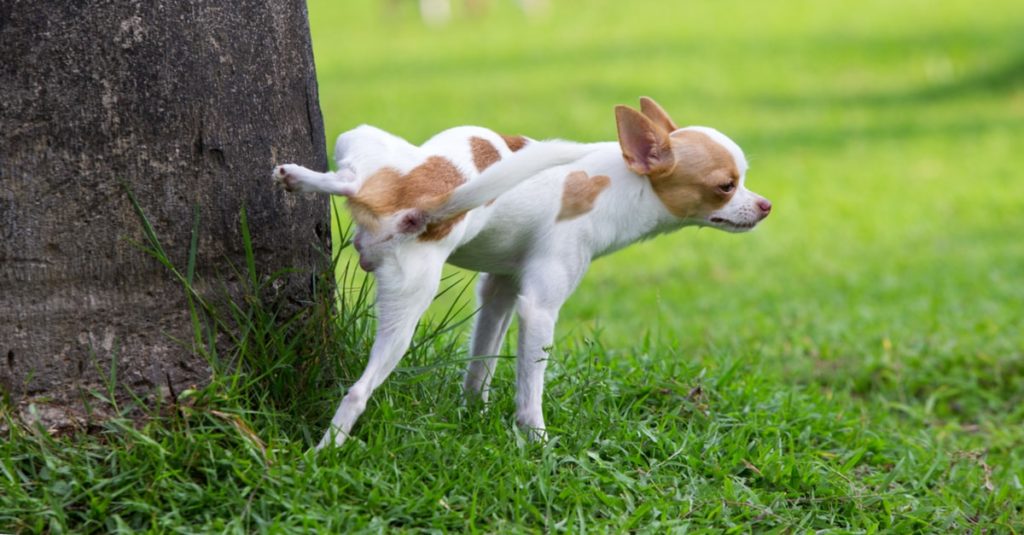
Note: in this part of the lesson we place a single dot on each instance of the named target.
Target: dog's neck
(637, 213)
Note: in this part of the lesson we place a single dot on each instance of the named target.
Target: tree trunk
(185, 103)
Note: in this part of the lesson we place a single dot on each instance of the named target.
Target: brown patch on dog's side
(515, 142)
(484, 154)
(371, 202)
(690, 187)
(580, 193)
(426, 187)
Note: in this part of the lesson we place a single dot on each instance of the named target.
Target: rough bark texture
(185, 103)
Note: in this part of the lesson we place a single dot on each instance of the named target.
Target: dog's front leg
(497, 297)
(403, 294)
(543, 292)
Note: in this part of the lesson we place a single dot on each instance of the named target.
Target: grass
(856, 365)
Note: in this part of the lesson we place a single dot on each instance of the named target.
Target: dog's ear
(645, 145)
(657, 114)
(412, 221)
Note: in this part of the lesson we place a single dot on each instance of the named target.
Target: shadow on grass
(1000, 79)
(905, 113)
(892, 131)
(1005, 77)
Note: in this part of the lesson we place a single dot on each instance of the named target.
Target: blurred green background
(855, 365)
(888, 135)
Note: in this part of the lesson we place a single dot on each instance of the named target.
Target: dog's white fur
(530, 247)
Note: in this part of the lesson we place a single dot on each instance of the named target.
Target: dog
(529, 215)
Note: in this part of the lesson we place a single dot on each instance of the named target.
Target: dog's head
(374, 243)
(697, 172)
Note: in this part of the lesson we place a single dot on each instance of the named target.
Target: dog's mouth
(733, 226)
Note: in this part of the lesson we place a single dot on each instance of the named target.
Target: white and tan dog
(529, 215)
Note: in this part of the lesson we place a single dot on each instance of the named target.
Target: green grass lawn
(855, 365)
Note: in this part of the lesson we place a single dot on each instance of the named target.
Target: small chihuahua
(529, 215)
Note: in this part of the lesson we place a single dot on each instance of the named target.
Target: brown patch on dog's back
(701, 164)
(484, 153)
(426, 187)
(580, 193)
(515, 142)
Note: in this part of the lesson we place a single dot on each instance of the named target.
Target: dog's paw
(333, 437)
(533, 427)
(536, 435)
(285, 176)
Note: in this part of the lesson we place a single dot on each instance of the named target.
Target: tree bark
(185, 103)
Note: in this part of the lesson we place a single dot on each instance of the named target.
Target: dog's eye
(727, 187)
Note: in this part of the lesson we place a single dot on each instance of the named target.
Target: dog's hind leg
(497, 297)
(405, 288)
(294, 177)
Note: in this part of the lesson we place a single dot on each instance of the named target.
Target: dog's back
(427, 190)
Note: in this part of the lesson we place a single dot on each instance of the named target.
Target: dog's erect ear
(645, 145)
(657, 114)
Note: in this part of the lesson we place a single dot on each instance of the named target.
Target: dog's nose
(765, 206)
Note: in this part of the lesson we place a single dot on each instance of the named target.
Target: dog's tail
(505, 174)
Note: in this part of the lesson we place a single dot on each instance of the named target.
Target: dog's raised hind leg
(404, 292)
(294, 177)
